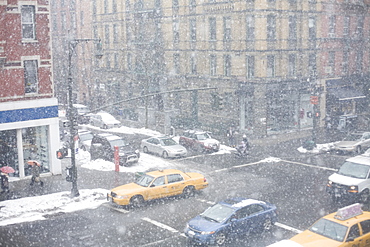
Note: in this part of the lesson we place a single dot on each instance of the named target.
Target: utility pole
(72, 112)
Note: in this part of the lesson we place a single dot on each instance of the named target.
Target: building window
(176, 63)
(360, 26)
(292, 28)
(250, 66)
(312, 65)
(175, 4)
(176, 33)
(331, 63)
(193, 30)
(312, 28)
(213, 65)
(346, 25)
(107, 60)
(105, 6)
(115, 33)
(106, 31)
(192, 5)
(193, 65)
(28, 22)
(359, 59)
(250, 21)
(292, 65)
(116, 60)
(82, 18)
(345, 62)
(129, 61)
(270, 66)
(212, 29)
(271, 27)
(114, 6)
(227, 65)
(332, 26)
(227, 29)
(30, 76)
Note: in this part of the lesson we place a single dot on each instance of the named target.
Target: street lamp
(71, 111)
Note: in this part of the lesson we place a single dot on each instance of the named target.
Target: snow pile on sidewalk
(40, 207)
(320, 148)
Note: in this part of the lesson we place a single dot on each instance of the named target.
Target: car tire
(145, 149)
(267, 224)
(359, 150)
(364, 196)
(83, 148)
(220, 239)
(189, 191)
(137, 201)
(165, 155)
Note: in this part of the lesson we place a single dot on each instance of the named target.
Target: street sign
(314, 100)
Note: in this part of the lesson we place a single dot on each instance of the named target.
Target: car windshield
(144, 180)
(354, 170)
(86, 137)
(217, 213)
(203, 136)
(118, 143)
(168, 142)
(329, 229)
(352, 137)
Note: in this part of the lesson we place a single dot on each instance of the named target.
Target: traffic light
(61, 153)
(317, 114)
(220, 102)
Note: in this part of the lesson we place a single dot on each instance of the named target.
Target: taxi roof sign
(348, 212)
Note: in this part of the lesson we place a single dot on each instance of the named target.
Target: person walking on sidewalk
(4, 182)
(35, 171)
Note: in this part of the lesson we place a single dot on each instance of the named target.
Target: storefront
(29, 130)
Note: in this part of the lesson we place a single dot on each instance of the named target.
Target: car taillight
(204, 180)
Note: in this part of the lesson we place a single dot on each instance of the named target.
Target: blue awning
(346, 93)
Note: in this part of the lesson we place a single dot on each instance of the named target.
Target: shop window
(8, 150)
(35, 147)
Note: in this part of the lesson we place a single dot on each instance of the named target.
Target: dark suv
(102, 147)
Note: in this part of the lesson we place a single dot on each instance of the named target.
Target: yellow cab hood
(128, 189)
(310, 239)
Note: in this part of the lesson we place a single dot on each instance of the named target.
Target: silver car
(163, 146)
(354, 142)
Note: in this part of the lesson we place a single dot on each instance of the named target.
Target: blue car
(236, 216)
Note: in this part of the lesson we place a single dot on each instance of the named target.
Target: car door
(354, 239)
(158, 188)
(176, 184)
(256, 217)
(365, 233)
(149, 145)
(366, 140)
(156, 146)
(239, 222)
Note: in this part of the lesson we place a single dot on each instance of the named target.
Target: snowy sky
(39, 207)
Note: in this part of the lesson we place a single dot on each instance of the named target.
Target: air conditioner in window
(331, 35)
(328, 70)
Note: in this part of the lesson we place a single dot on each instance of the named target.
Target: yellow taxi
(157, 184)
(348, 227)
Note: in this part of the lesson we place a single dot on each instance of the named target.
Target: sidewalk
(281, 145)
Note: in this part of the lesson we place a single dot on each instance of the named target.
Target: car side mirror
(152, 185)
(350, 239)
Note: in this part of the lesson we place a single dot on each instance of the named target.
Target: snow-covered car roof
(360, 159)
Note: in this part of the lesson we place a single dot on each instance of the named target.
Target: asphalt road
(296, 185)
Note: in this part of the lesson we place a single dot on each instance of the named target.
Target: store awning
(346, 93)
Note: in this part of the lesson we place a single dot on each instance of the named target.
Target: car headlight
(207, 233)
(353, 188)
(122, 197)
(137, 151)
(330, 182)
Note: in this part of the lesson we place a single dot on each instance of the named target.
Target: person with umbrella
(4, 177)
(35, 171)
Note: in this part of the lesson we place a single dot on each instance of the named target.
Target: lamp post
(71, 111)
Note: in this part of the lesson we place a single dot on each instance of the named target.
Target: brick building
(29, 126)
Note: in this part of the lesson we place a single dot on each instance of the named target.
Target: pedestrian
(231, 136)
(4, 182)
(35, 171)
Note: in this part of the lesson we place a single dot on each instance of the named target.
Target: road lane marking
(314, 166)
(289, 228)
(161, 225)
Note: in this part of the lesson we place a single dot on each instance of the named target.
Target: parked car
(199, 140)
(82, 113)
(354, 142)
(104, 120)
(231, 217)
(157, 184)
(102, 147)
(352, 181)
(85, 137)
(164, 146)
(348, 227)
